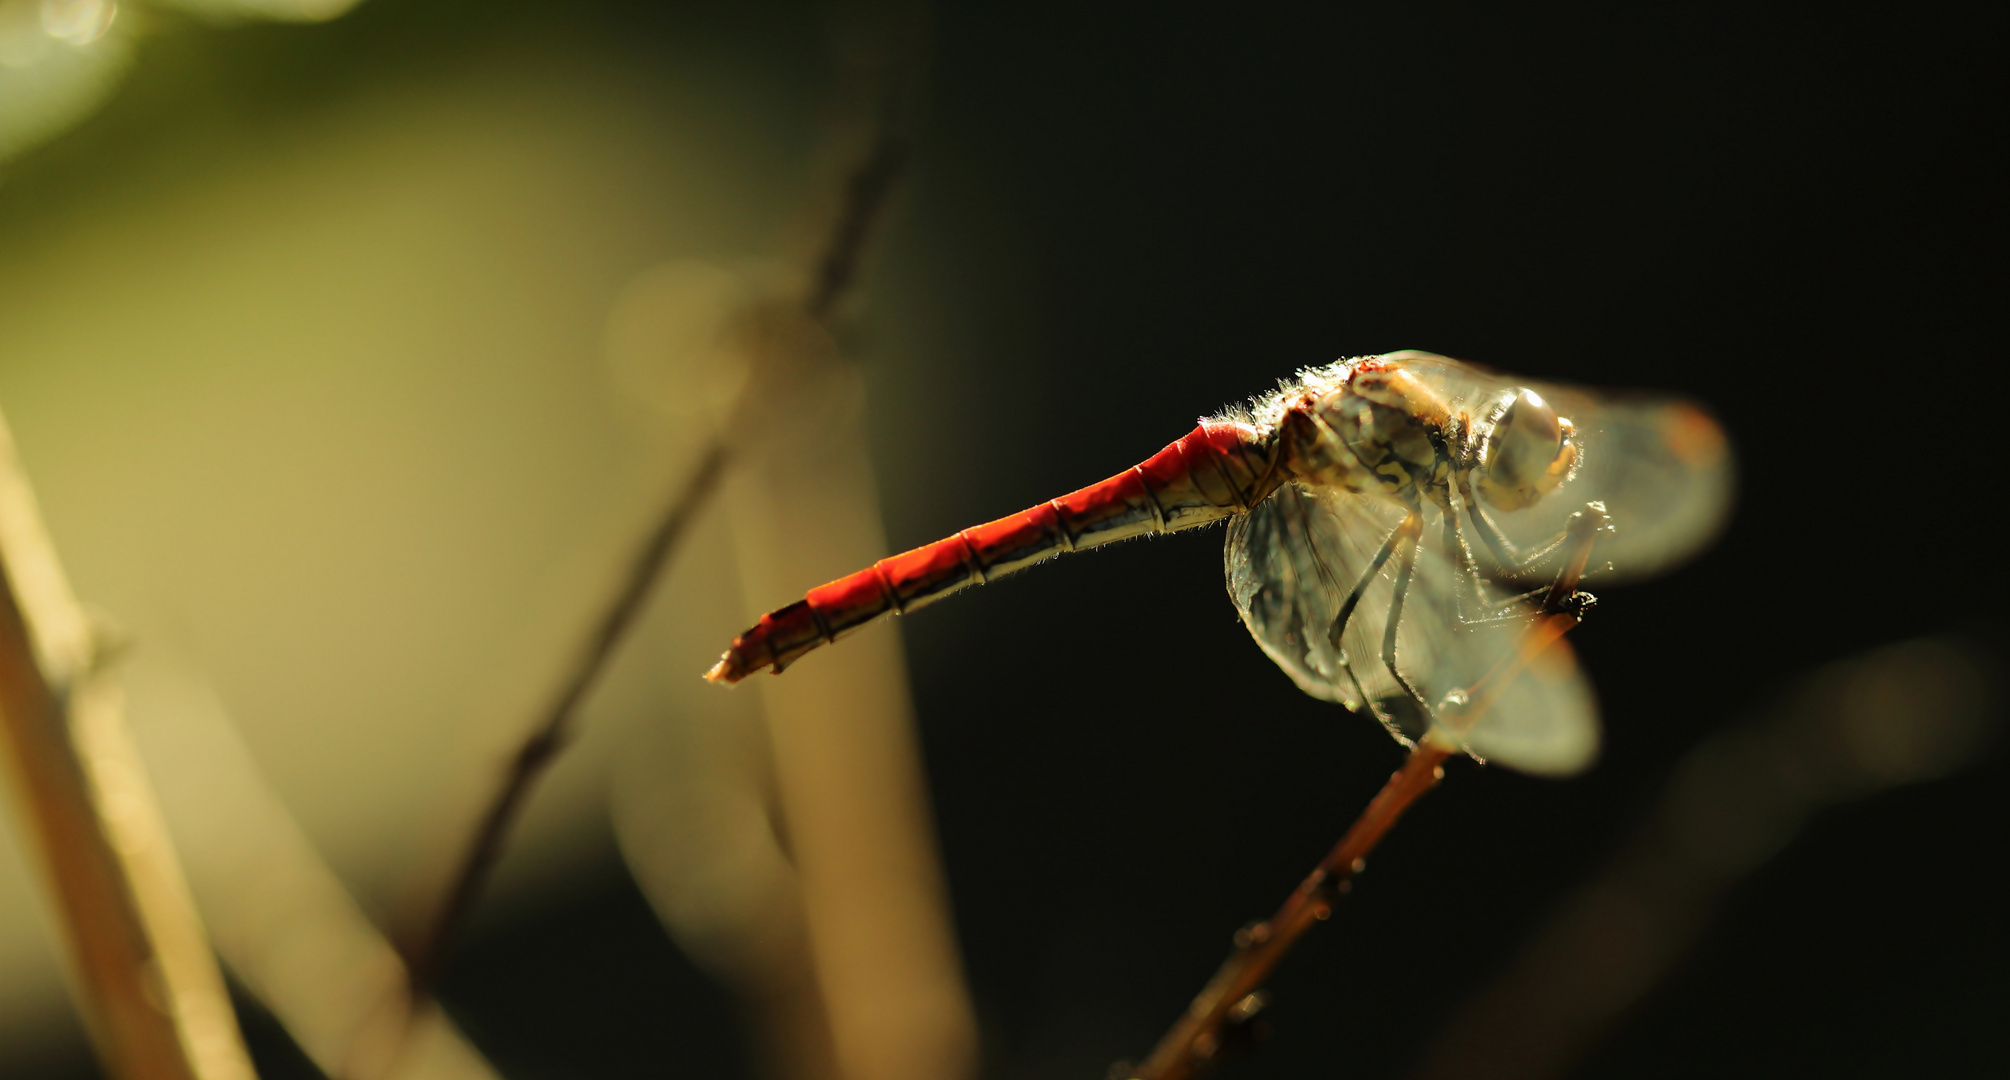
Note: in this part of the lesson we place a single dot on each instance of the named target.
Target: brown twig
(1231, 999)
(427, 957)
(143, 973)
(865, 195)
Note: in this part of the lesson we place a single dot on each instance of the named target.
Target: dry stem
(141, 967)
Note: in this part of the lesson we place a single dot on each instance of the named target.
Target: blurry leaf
(59, 61)
(280, 10)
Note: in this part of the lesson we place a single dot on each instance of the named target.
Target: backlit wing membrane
(1661, 466)
(1291, 563)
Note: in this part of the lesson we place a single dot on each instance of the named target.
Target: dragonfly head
(1530, 451)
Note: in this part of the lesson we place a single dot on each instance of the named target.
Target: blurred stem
(140, 964)
(428, 956)
(1901, 714)
(866, 188)
(865, 193)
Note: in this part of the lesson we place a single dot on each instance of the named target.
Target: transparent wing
(1663, 469)
(1291, 564)
(1660, 465)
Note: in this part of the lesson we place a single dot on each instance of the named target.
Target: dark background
(1784, 213)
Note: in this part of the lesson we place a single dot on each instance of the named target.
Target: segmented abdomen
(1217, 470)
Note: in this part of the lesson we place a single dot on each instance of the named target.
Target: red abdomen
(1217, 470)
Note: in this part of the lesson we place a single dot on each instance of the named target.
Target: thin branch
(1230, 999)
(865, 196)
(428, 956)
(143, 972)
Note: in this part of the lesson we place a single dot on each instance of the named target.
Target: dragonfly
(1395, 524)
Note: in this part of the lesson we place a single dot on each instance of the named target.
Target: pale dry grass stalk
(140, 964)
(285, 925)
(849, 782)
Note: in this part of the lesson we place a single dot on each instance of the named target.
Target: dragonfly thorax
(1377, 429)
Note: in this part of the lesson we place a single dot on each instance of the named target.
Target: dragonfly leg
(1469, 596)
(1561, 595)
(1510, 567)
(1583, 530)
(1519, 608)
(1471, 581)
(1412, 530)
(1347, 607)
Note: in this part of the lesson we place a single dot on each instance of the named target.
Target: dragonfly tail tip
(725, 671)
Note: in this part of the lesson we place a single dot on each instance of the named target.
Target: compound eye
(1529, 453)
